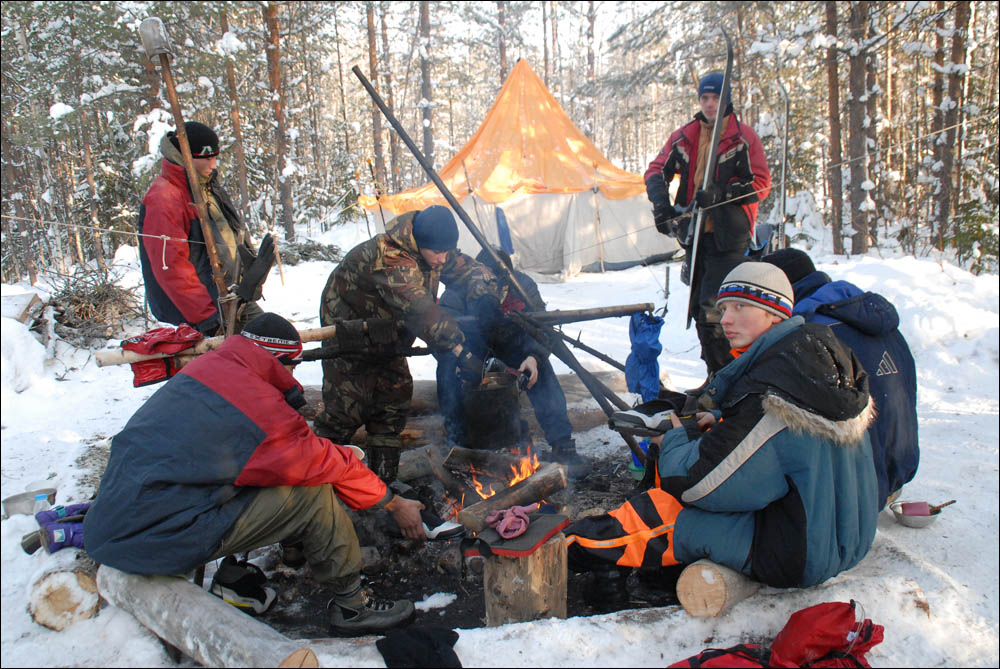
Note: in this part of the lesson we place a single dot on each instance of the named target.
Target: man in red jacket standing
(741, 180)
(219, 461)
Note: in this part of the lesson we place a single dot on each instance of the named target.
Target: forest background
(891, 108)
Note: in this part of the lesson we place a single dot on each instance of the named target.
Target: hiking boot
(361, 613)
(242, 585)
(634, 421)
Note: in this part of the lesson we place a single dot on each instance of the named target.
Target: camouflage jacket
(387, 277)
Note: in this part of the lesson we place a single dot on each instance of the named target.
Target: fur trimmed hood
(845, 433)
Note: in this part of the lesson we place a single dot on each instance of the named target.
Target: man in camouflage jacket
(395, 276)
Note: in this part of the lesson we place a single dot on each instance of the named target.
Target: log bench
(706, 589)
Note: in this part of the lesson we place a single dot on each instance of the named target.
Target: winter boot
(384, 461)
(242, 585)
(564, 452)
(358, 612)
(55, 536)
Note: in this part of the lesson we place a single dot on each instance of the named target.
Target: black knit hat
(277, 336)
(434, 228)
(203, 141)
(796, 264)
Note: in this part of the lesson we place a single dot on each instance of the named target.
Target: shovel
(922, 508)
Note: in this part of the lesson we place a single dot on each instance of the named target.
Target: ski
(713, 159)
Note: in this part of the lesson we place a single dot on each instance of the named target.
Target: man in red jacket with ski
(741, 180)
(219, 462)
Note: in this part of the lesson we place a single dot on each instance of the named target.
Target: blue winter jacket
(783, 489)
(869, 324)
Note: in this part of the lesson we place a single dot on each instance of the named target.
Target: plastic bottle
(41, 503)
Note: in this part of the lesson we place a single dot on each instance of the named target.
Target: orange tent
(564, 200)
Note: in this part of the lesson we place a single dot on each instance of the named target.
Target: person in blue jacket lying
(869, 324)
(777, 480)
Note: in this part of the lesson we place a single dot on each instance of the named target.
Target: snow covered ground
(934, 589)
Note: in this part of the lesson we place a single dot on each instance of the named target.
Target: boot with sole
(361, 613)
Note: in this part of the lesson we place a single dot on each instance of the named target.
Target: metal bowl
(24, 503)
(912, 521)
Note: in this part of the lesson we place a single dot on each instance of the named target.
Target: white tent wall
(557, 233)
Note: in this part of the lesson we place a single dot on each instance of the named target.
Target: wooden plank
(527, 588)
(19, 306)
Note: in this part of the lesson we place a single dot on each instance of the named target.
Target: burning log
(456, 488)
(549, 479)
(472, 460)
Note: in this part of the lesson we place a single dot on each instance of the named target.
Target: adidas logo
(887, 366)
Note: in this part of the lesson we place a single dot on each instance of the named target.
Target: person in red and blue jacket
(869, 324)
(219, 461)
(741, 180)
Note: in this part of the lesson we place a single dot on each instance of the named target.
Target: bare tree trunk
(376, 114)
(947, 141)
(340, 79)
(857, 22)
(234, 114)
(834, 174)
(270, 14)
(501, 6)
(13, 156)
(425, 81)
(92, 189)
(556, 61)
(591, 71)
(875, 169)
(937, 122)
(390, 100)
(545, 42)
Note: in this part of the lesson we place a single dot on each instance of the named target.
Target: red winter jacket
(741, 161)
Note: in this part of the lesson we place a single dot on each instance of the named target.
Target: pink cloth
(512, 522)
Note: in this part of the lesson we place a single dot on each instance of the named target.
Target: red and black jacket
(190, 460)
(177, 271)
(741, 161)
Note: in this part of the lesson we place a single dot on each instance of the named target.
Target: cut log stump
(706, 589)
(65, 590)
(526, 588)
(203, 627)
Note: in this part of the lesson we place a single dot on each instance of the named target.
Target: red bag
(824, 635)
(163, 340)
(166, 341)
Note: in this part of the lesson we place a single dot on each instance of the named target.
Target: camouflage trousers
(375, 394)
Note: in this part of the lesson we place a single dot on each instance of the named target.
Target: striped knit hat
(276, 336)
(760, 284)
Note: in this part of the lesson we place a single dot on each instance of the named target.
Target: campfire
(524, 481)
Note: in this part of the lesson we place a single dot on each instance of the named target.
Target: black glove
(488, 312)
(664, 217)
(470, 368)
(210, 326)
(255, 269)
(709, 197)
(737, 193)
